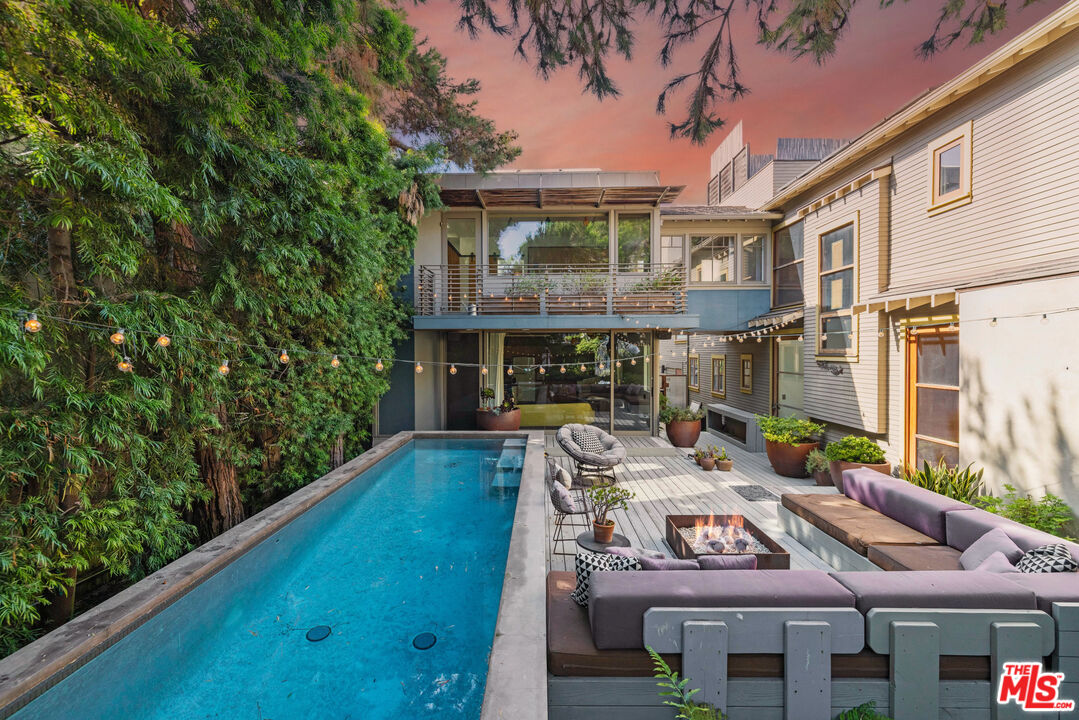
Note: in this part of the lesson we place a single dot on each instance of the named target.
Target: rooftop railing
(579, 289)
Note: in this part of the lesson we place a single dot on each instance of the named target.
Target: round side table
(587, 541)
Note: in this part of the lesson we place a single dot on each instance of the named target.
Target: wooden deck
(668, 482)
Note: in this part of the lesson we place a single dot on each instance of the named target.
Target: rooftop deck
(667, 482)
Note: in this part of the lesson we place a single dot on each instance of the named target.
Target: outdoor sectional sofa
(926, 640)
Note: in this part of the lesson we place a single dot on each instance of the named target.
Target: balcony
(543, 290)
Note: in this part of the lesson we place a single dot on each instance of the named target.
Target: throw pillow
(667, 563)
(587, 563)
(996, 563)
(1052, 558)
(556, 473)
(728, 562)
(561, 498)
(633, 552)
(564, 477)
(996, 540)
(587, 441)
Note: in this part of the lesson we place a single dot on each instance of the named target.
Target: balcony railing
(599, 289)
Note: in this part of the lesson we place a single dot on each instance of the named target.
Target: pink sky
(874, 72)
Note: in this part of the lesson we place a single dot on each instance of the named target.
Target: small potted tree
(854, 451)
(724, 462)
(817, 467)
(788, 442)
(682, 424)
(606, 499)
(504, 418)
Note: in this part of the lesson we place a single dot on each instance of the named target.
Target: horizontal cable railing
(552, 289)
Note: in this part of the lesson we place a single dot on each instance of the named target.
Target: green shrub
(788, 429)
(670, 413)
(1049, 514)
(866, 711)
(854, 448)
(606, 499)
(816, 461)
(682, 699)
(961, 484)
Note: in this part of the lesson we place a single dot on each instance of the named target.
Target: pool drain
(319, 632)
(424, 641)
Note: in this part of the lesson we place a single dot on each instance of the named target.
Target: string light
(163, 341)
(453, 369)
(32, 324)
(378, 365)
(509, 370)
(223, 368)
(542, 370)
(633, 361)
(562, 369)
(117, 337)
(993, 322)
(601, 366)
(334, 362)
(583, 368)
(419, 367)
(1045, 319)
(618, 363)
(125, 365)
(483, 370)
(283, 358)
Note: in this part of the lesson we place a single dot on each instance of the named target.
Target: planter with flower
(788, 442)
(817, 467)
(606, 499)
(682, 424)
(854, 451)
(503, 418)
(724, 462)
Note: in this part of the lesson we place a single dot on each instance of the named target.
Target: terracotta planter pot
(498, 422)
(603, 533)
(789, 460)
(823, 478)
(684, 433)
(836, 467)
(708, 463)
(724, 465)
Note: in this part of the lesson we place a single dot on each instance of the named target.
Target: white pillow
(562, 475)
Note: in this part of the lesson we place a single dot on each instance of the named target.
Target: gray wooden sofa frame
(914, 640)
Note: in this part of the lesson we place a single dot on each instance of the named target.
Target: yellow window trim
(851, 354)
(747, 389)
(689, 374)
(722, 360)
(962, 196)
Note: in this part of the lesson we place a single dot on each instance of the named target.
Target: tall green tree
(217, 172)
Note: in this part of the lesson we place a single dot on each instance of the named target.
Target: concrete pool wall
(516, 681)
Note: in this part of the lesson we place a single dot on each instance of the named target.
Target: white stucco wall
(1019, 386)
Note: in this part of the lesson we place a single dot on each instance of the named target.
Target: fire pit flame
(727, 537)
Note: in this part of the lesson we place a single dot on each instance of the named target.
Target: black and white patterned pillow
(587, 441)
(1053, 558)
(587, 563)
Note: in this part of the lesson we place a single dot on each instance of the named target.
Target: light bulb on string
(335, 362)
(453, 369)
(618, 363)
(758, 338)
(583, 368)
(223, 368)
(633, 361)
(483, 370)
(163, 341)
(646, 358)
(283, 358)
(542, 370)
(125, 365)
(117, 337)
(601, 366)
(379, 365)
(1045, 319)
(419, 367)
(562, 369)
(993, 322)
(509, 370)
(32, 324)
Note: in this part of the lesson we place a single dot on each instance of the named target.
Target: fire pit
(691, 536)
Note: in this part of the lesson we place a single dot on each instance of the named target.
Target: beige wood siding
(760, 400)
(756, 191)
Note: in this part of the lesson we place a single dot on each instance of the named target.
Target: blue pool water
(415, 545)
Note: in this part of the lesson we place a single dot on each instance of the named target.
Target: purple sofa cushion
(620, 599)
(968, 589)
(633, 552)
(667, 563)
(915, 507)
(994, 541)
(728, 562)
(966, 527)
(998, 562)
(1048, 587)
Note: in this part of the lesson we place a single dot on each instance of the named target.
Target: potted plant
(605, 499)
(854, 451)
(698, 455)
(724, 462)
(708, 459)
(817, 467)
(504, 418)
(788, 442)
(682, 424)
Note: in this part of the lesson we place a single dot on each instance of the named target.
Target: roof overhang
(908, 300)
(559, 323)
(777, 318)
(555, 188)
(1049, 30)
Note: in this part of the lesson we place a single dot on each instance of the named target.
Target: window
(634, 248)
(745, 376)
(693, 373)
(719, 376)
(672, 249)
(950, 158)
(752, 258)
(787, 266)
(712, 258)
(932, 431)
(517, 242)
(836, 281)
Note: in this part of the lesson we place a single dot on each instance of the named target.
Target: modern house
(925, 278)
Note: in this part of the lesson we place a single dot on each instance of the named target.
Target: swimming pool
(416, 544)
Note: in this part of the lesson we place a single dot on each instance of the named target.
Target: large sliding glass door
(560, 378)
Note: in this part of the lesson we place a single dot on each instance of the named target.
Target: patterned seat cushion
(587, 563)
(587, 441)
(1055, 558)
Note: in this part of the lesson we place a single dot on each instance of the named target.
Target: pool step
(509, 465)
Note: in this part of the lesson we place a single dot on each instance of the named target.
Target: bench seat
(914, 557)
(851, 523)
